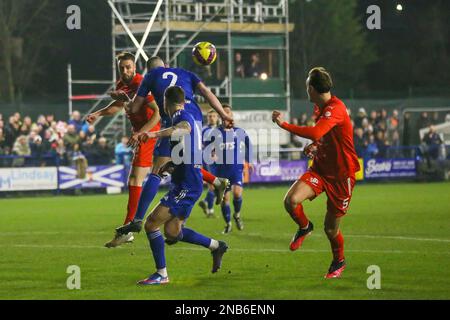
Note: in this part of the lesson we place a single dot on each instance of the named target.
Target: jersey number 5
(345, 203)
(166, 75)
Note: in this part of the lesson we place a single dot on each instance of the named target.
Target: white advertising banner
(260, 128)
(20, 179)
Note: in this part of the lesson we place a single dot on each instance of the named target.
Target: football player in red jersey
(334, 166)
(147, 119)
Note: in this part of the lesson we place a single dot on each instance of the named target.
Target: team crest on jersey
(327, 114)
(314, 181)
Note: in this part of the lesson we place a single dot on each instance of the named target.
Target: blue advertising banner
(279, 171)
(96, 177)
(389, 168)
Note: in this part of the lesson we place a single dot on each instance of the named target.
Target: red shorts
(143, 155)
(339, 192)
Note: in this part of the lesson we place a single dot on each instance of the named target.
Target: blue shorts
(180, 201)
(162, 148)
(234, 174)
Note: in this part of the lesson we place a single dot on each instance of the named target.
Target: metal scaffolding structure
(170, 27)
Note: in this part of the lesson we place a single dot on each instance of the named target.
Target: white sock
(217, 182)
(213, 245)
(162, 272)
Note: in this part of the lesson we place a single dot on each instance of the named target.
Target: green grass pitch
(402, 228)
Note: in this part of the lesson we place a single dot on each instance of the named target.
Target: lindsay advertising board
(23, 179)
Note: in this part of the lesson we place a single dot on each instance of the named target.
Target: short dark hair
(320, 79)
(125, 56)
(211, 111)
(174, 95)
(226, 105)
(152, 60)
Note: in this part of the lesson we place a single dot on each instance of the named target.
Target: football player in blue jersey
(233, 149)
(207, 204)
(186, 188)
(157, 80)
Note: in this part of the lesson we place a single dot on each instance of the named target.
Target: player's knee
(134, 181)
(150, 224)
(171, 237)
(330, 232)
(155, 169)
(290, 202)
(287, 205)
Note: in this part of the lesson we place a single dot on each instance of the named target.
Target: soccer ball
(204, 53)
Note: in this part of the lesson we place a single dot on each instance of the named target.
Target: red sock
(134, 192)
(208, 176)
(337, 247)
(298, 215)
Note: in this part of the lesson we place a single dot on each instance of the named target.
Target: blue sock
(210, 199)
(190, 236)
(237, 203)
(149, 191)
(156, 241)
(226, 212)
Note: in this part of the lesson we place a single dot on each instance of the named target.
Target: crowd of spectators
(244, 67)
(47, 141)
(250, 69)
(377, 130)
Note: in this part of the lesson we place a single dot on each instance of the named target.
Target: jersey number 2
(166, 75)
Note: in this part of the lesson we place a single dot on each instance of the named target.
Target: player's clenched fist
(133, 142)
(91, 118)
(311, 150)
(276, 117)
(119, 95)
(228, 122)
(145, 136)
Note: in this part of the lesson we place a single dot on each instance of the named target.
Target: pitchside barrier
(34, 174)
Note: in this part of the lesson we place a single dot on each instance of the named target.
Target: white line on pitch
(248, 234)
(262, 250)
(368, 237)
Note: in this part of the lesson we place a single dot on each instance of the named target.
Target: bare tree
(24, 31)
(329, 33)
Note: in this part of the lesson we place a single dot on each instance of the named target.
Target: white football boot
(120, 239)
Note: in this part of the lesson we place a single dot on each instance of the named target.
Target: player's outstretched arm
(119, 95)
(154, 120)
(109, 110)
(314, 133)
(180, 129)
(149, 125)
(213, 101)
